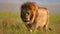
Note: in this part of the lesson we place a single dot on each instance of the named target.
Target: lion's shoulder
(42, 8)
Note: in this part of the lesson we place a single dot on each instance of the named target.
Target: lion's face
(26, 13)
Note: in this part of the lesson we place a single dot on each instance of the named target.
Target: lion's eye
(28, 13)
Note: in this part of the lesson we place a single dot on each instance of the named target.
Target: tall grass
(11, 23)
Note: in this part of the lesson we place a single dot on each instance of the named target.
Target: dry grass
(11, 23)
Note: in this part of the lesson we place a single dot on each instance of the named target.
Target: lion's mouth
(26, 20)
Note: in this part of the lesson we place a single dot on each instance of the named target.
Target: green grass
(11, 23)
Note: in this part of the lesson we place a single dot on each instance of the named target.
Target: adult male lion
(34, 16)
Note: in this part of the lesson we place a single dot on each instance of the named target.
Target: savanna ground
(11, 23)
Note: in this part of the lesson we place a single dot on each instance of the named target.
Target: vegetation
(11, 23)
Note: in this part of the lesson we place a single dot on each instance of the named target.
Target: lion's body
(37, 17)
(42, 18)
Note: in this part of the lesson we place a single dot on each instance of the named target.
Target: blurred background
(14, 5)
(10, 19)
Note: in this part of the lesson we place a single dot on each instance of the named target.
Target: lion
(34, 16)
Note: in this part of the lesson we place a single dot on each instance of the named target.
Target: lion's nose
(28, 19)
(28, 13)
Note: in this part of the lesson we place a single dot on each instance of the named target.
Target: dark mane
(32, 5)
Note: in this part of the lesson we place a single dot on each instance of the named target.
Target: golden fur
(37, 17)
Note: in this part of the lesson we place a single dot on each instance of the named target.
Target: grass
(11, 23)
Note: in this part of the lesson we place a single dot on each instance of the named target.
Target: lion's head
(27, 10)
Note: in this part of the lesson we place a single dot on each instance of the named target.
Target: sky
(14, 5)
(17, 1)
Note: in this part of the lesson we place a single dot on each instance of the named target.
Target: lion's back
(42, 17)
